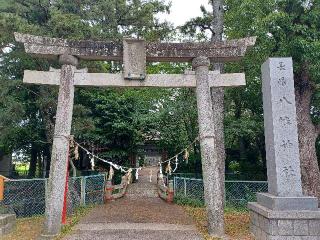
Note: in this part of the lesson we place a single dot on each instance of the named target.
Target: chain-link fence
(28, 197)
(237, 193)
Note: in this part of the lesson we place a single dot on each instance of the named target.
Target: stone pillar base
(287, 203)
(267, 224)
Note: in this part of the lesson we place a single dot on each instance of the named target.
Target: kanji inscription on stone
(285, 121)
(282, 81)
(281, 66)
(285, 100)
(281, 133)
(134, 59)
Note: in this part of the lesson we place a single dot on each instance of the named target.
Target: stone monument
(283, 212)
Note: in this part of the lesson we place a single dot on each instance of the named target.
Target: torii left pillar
(60, 148)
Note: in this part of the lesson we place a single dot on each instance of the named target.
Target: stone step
(135, 231)
(143, 192)
(7, 223)
(145, 195)
(135, 235)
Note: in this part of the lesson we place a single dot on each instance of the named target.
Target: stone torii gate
(134, 54)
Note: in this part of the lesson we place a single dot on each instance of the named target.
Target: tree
(243, 106)
(287, 28)
(102, 19)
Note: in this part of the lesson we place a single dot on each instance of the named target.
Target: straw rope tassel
(111, 173)
(129, 175)
(168, 168)
(137, 173)
(92, 162)
(151, 175)
(176, 167)
(186, 155)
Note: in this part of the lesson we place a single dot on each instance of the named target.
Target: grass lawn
(237, 223)
(30, 228)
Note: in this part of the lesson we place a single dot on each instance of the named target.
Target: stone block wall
(299, 227)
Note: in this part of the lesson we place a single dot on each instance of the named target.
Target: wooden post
(2, 178)
(60, 148)
(83, 191)
(213, 194)
(109, 189)
(170, 192)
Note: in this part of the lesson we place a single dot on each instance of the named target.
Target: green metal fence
(27, 197)
(237, 193)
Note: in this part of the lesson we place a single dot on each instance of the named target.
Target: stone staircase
(143, 187)
(7, 223)
(140, 215)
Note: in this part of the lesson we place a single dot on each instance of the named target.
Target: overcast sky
(183, 10)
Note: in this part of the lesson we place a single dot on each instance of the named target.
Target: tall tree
(287, 28)
(101, 19)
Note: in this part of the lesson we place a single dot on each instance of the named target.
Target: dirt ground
(138, 211)
(30, 228)
(26, 229)
(237, 226)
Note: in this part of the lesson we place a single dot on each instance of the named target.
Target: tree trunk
(47, 111)
(39, 173)
(47, 160)
(33, 162)
(308, 134)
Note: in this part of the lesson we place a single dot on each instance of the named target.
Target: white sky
(184, 10)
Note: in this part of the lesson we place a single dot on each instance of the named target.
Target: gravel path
(141, 215)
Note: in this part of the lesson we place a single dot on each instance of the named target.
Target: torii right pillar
(283, 213)
(213, 186)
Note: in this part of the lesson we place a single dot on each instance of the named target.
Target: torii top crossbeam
(225, 51)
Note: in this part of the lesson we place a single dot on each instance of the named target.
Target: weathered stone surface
(284, 224)
(301, 227)
(292, 238)
(187, 80)
(292, 214)
(289, 214)
(214, 198)
(134, 59)
(287, 203)
(285, 227)
(314, 227)
(7, 223)
(282, 149)
(60, 152)
(97, 50)
(68, 60)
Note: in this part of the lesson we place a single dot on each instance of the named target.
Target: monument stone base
(290, 223)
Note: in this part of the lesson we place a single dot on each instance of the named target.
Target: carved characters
(285, 100)
(285, 121)
(281, 66)
(288, 172)
(286, 144)
(282, 81)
